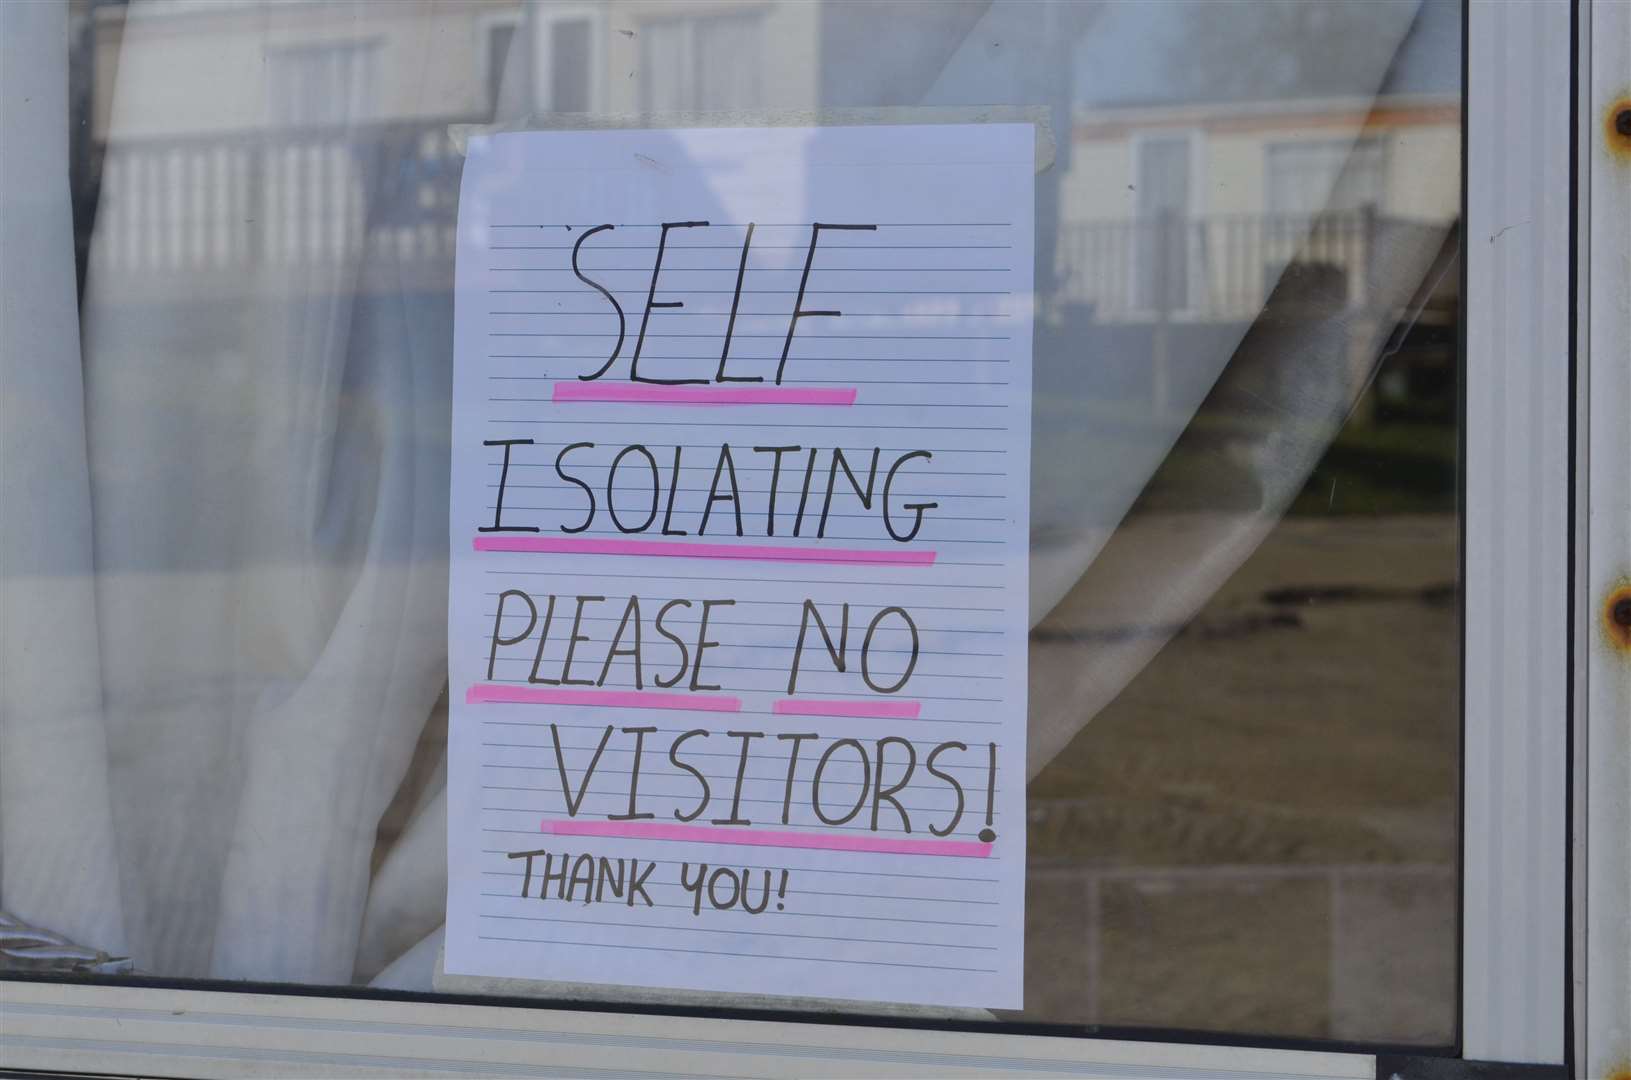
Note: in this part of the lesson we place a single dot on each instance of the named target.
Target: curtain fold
(59, 863)
(269, 468)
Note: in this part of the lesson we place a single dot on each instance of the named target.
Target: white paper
(929, 362)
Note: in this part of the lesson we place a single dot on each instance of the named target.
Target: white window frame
(1536, 568)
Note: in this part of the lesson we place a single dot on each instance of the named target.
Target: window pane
(225, 727)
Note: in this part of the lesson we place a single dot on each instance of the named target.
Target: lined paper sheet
(739, 517)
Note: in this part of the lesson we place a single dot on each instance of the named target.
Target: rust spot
(1617, 132)
(1621, 1073)
(1617, 622)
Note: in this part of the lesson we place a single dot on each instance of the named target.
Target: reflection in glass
(1244, 688)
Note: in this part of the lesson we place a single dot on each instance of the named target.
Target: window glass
(229, 274)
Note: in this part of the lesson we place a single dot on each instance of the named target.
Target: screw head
(1616, 616)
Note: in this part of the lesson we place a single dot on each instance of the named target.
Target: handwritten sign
(737, 620)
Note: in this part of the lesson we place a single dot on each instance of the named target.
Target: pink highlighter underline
(568, 545)
(483, 693)
(702, 395)
(704, 834)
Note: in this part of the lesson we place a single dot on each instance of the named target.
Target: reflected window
(702, 64)
(311, 85)
(1309, 177)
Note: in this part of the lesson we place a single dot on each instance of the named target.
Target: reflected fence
(297, 199)
(1220, 267)
(323, 196)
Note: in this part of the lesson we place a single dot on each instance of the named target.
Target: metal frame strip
(1518, 249)
(1603, 587)
(159, 1032)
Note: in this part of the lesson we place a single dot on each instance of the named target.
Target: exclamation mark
(781, 893)
(989, 834)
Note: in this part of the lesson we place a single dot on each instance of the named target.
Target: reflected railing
(292, 198)
(319, 196)
(1217, 268)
